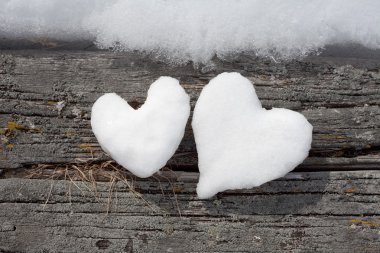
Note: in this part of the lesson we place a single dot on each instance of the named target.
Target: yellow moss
(71, 133)
(365, 222)
(177, 188)
(350, 190)
(11, 125)
(51, 102)
(87, 147)
(10, 146)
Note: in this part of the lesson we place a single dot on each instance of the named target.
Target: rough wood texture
(46, 97)
(304, 212)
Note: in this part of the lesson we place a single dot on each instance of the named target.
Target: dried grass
(92, 172)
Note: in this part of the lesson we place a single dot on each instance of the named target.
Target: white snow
(239, 143)
(197, 30)
(142, 140)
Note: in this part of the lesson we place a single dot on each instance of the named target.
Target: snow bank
(239, 143)
(142, 140)
(197, 30)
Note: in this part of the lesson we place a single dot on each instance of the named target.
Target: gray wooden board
(303, 212)
(49, 95)
(46, 96)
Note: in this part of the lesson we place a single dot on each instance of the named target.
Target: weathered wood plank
(304, 212)
(46, 97)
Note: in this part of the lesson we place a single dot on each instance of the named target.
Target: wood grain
(304, 212)
(46, 98)
(46, 93)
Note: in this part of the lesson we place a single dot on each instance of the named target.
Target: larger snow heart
(239, 143)
(142, 140)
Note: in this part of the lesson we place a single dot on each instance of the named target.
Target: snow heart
(142, 140)
(239, 143)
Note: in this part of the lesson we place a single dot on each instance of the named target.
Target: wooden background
(329, 204)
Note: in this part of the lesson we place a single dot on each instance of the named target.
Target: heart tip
(205, 191)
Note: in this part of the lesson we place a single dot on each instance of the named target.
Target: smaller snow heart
(142, 140)
(239, 143)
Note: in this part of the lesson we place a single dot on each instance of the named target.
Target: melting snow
(142, 140)
(197, 30)
(239, 143)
